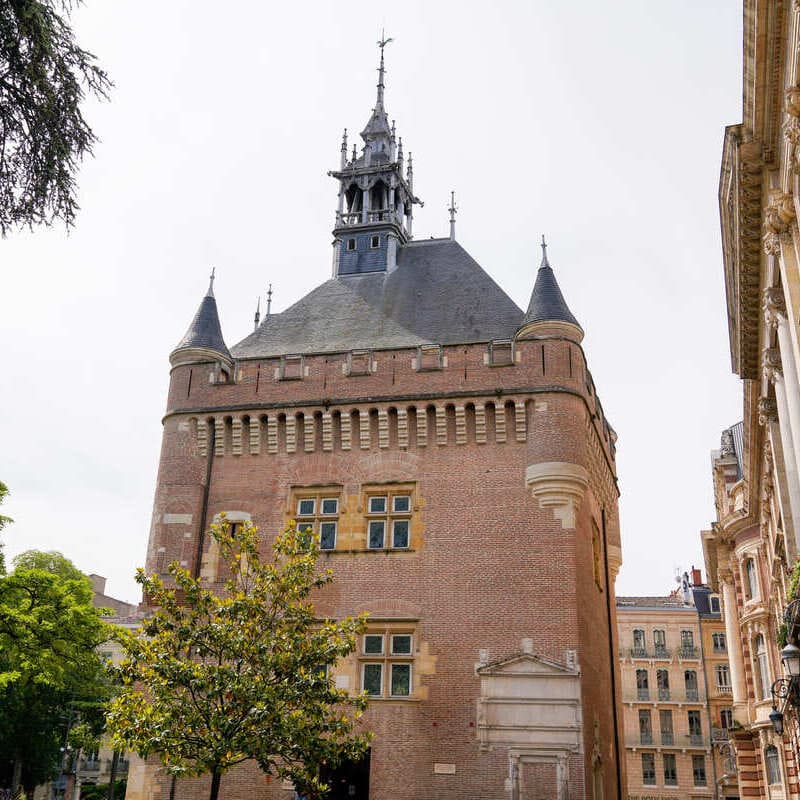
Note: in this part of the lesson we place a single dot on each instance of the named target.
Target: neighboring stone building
(452, 453)
(676, 695)
(753, 543)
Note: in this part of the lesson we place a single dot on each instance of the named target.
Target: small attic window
(359, 362)
(501, 352)
(375, 242)
(292, 368)
(429, 357)
(351, 244)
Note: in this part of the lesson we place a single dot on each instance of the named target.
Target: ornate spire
(453, 209)
(545, 262)
(269, 301)
(547, 304)
(210, 292)
(378, 126)
(382, 43)
(257, 317)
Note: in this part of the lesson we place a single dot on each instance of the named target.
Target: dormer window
(351, 244)
(375, 242)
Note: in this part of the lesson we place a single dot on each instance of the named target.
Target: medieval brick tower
(452, 454)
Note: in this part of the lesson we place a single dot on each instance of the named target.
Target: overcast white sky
(598, 124)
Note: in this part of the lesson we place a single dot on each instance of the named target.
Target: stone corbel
(560, 486)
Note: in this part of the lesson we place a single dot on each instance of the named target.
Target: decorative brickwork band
(480, 424)
(308, 432)
(327, 431)
(363, 420)
(441, 425)
(219, 436)
(560, 486)
(422, 428)
(461, 425)
(272, 435)
(202, 437)
(499, 423)
(519, 412)
(346, 429)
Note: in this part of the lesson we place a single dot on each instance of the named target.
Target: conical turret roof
(205, 331)
(547, 303)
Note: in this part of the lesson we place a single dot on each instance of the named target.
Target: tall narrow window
(642, 690)
(639, 648)
(773, 765)
(662, 680)
(670, 770)
(751, 577)
(660, 643)
(723, 674)
(665, 722)
(762, 667)
(695, 728)
(645, 727)
(726, 718)
(718, 641)
(699, 770)
(649, 769)
(687, 645)
(690, 681)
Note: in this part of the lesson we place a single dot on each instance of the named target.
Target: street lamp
(790, 656)
(786, 688)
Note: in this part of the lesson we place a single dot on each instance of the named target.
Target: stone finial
(726, 444)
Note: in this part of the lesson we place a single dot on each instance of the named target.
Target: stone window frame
(351, 245)
(288, 365)
(722, 673)
(355, 359)
(317, 518)
(374, 241)
(430, 357)
(718, 643)
(388, 658)
(772, 765)
(502, 353)
(390, 515)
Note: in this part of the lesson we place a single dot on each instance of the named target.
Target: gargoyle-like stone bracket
(560, 486)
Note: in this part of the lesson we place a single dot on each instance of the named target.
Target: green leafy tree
(49, 665)
(43, 134)
(213, 680)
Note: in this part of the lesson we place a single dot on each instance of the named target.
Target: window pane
(699, 770)
(377, 505)
(400, 533)
(306, 507)
(330, 505)
(401, 644)
(376, 534)
(401, 503)
(648, 769)
(373, 679)
(305, 527)
(373, 643)
(401, 680)
(327, 535)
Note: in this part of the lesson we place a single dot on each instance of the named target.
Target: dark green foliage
(100, 790)
(50, 671)
(43, 134)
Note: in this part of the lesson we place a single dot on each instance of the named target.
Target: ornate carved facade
(754, 541)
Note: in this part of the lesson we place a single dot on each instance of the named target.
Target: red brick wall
(493, 568)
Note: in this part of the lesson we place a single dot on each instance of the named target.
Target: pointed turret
(547, 309)
(203, 340)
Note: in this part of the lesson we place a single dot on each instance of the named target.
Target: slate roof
(205, 330)
(547, 302)
(437, 294)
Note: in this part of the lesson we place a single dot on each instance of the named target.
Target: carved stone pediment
(527, 701)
